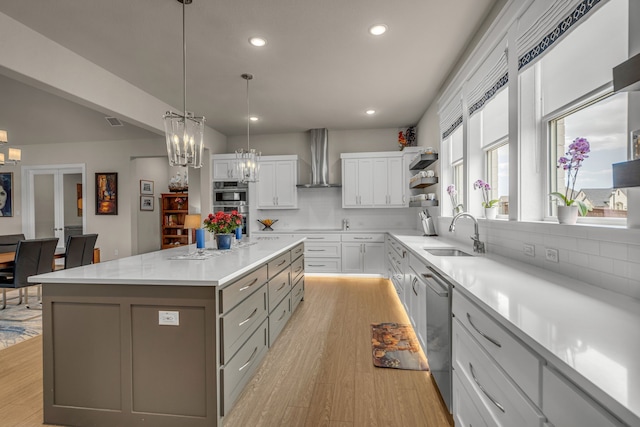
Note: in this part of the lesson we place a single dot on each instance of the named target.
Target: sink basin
(446, 252)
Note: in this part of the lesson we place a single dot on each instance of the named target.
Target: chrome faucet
(345, 224)
(478, 246)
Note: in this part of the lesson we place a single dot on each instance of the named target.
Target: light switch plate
(170, 318)
(551, 254)
(529, 249)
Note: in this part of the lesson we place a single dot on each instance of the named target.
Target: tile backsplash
(606, 257)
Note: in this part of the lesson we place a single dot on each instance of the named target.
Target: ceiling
(320, 67)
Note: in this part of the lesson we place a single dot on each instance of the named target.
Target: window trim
(495, 145)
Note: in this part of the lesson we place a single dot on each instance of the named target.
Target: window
(497, 157)
(603, 122)
(458, 180)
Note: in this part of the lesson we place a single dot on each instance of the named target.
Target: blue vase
(224, 241)
(238, 233)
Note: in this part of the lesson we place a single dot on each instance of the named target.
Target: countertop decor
(267, 224)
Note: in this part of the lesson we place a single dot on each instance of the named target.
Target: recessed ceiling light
(370, 112)
(378, 29)
(257, 41)
(254, 118)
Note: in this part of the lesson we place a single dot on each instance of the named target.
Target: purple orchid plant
(453, 194)
(571, 163)
(485, 187)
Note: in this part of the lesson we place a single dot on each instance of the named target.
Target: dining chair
(8, 243)
(79, 250)
(33, 257)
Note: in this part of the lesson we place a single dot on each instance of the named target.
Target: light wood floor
(318, 373)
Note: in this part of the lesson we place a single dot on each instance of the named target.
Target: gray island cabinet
(154, 341)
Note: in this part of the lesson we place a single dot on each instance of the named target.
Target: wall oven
(232, 195)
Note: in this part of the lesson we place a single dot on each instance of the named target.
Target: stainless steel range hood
(319, 160)
(626, 76)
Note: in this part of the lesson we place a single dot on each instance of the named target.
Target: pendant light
(248, 162)
(14, 155)
(184, 132)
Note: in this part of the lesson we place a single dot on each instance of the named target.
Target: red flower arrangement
(223, 223)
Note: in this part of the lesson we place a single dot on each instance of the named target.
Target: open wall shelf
(423, 161)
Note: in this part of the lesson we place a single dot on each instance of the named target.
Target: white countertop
(156, 268)
(589, 334)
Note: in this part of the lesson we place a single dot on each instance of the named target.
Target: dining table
(7, 258)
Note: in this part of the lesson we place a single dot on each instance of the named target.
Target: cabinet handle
(298, 251)
(249, 285)
(282, 286)
(486, 393)
(283, 313)
(317, 265)
(297, 269)
(255, 350)
(315, 238)
(488, 338)
(283, 261)
(413, 285)
(315, 250)
(404, 253)
(255, 310)
(362, 238)
(299, 290)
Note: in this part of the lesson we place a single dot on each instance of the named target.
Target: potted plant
(490, 210)
(453, 195)
(223, 226)
(571, 163)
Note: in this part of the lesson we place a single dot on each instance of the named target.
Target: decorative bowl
(267, 223)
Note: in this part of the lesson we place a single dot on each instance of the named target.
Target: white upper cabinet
(374, 180)
(276, 186)
(224, 167)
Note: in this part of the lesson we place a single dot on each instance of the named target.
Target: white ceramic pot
(490, 213)
(567, 214)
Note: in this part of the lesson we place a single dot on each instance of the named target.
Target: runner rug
(17, 322)
(395, 345)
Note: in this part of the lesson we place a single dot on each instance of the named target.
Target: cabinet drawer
(237, 373)
(322, 265)
(278, 264)
(479, 374)
(297, 293)
(297, 268)
(278, 318)
(237, 325)
(322, 250)
(363, 238)
(394, 259)
(513, 357)
(297, 251)
(321, 238)
(396, 246)
(566, 406)
(465, 407)
(235, 292)
(279, 286)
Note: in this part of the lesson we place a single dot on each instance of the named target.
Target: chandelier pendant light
(184, 132)
(14, 154)
(248, 161)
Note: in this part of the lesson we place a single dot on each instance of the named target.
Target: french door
(54, 201)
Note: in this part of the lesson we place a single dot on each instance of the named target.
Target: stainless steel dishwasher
(439, 331)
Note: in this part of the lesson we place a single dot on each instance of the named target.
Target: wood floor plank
(319, 371)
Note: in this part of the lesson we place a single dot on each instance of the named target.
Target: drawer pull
(317, 265)
(413, 285)
(299, 290)
(249, 285)
(315, 250)
(281, 286)
(298, 251)
(315, 238)
(283, 261)
(253, 313)
(297, 269)
(488, 338)
(255, 350)
(283, 313)
(486, 393)
(362, 238)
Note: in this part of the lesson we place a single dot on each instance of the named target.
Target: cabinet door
(373, 258)
(349, 183)
(412, 301)
(421, 315)
(266, 185)
(352, 257)
(379, 180)
(224, 170)
(285, 184)
(365, 182)
(396, 183)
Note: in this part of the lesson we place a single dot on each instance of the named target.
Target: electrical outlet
(170, 318)
(115, 252)
(529, 249)
(551, 254)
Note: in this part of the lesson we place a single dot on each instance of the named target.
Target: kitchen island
(155, 340)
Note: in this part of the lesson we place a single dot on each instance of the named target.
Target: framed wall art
(146, 187)
(106, 193)
(146, 203)
(6, 194)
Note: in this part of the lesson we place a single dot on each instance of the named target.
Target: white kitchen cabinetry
(224, 167)
(363, 253)
(322, 253)
(396, 262)
(276, 187)
(377, 180)
(416, 294)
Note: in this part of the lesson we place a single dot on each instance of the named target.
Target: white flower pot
(490, 213)
(567, 214)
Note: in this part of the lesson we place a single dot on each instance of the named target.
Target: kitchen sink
(446, 252)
